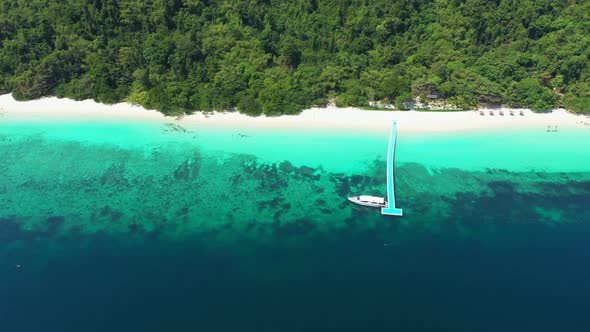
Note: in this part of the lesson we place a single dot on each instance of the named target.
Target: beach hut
(436, 95)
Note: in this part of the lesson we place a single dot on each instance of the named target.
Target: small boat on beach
(365, 200)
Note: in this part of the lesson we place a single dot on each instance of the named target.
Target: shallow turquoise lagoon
(153, 226)
(337, 150)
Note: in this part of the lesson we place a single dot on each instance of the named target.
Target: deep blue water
(533, 277)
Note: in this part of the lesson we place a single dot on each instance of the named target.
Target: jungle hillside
(278, 56)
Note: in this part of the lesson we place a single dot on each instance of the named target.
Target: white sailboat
(365, 200)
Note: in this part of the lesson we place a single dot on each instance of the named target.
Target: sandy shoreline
(53, 108)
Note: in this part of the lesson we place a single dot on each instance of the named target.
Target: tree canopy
(277, 56)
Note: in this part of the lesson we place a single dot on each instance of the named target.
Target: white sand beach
(320, 118)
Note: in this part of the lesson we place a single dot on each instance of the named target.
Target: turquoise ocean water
(156, 227)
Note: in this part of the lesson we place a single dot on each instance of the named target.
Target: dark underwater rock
(188, 170)
(114, 175)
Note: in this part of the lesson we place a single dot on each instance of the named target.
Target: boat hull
(368, 201)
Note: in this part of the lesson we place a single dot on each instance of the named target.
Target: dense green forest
(280, 56)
